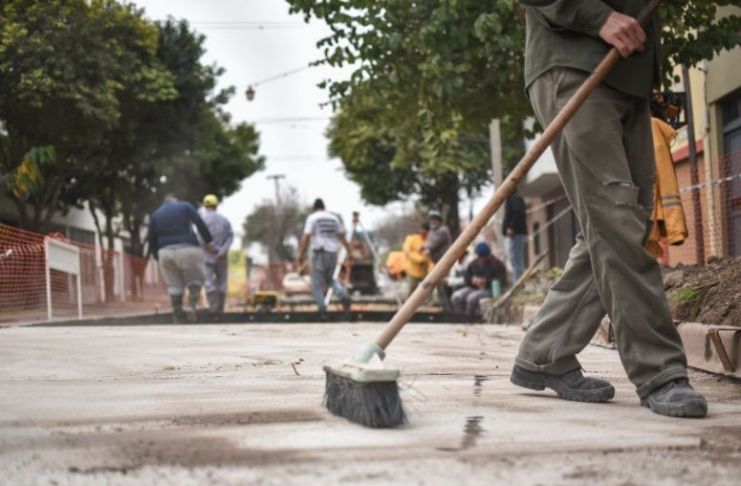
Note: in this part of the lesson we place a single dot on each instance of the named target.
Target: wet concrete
(242, 405)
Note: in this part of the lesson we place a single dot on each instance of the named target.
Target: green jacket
(566, 33)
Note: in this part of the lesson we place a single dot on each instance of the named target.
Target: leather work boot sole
(570, 386)
(676, 399)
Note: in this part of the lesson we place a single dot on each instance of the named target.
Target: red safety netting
(111, 282)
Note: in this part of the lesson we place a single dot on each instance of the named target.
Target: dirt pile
(710, 294)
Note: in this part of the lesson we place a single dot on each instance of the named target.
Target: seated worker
(456, 278)
(480, 273)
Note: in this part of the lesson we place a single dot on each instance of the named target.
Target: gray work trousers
(216, 273)
(323, 265)
(182, 267)
(605, 161)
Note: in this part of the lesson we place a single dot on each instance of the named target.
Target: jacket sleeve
(585, 16)
(200, 225)
(433, 241)
(228, 240)
(413, 255)
(507, 220)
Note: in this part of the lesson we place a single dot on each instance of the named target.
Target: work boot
(178, 316)
(569, 386)
(194, 292)
(213, 302)
(222, 302)
(346, 305)
(676, 399)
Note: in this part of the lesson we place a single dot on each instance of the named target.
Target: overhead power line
(282, 75)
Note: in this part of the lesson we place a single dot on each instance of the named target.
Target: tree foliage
(428, 77)
(127, 105)
(62, 65)
(277, 225)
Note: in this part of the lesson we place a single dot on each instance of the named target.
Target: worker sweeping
(605, 161)
(216, 265)
(598, 127)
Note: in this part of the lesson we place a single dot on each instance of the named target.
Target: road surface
(241, 404)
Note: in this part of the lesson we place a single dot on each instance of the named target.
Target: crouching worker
(173, 243)
(480, 273)
(216, 263)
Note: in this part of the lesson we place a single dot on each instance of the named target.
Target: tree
(178, 143)
(693, 33)
(426, 85)
(429, 75)
(277, 226)
(63, 64)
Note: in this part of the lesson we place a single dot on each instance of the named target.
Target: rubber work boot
(569, 386)
(676, 399)
(178, 316)
(194, 292)
(213, 302)
(222, 302)
(346, 305)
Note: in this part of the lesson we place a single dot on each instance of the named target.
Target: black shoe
(346, 304)
(569, 386)
(178, 316)
(676, 399)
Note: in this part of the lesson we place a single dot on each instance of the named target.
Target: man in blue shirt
(173, 243)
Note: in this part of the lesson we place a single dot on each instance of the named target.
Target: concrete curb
(712, 348)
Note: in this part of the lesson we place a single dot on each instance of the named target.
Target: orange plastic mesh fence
(111, 282)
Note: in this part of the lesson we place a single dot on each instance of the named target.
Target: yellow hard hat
(211, 200)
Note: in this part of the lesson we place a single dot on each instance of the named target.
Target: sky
(287, 112)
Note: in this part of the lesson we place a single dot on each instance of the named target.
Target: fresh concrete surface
(241, 404)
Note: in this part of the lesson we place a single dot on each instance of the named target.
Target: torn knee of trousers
(622, 193)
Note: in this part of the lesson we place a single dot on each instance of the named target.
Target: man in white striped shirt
(326, 233)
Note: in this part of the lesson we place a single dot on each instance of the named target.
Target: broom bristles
(372, 404)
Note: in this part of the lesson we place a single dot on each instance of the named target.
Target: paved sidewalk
(241, 404)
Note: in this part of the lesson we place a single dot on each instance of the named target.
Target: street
(241, 404)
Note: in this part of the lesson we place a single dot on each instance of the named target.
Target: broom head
(364, 393)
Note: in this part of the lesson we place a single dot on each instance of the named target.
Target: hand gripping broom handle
(443, 266)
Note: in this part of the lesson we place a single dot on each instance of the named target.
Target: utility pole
(692, 152)
(495, 144)
(276, 179)
(278, 225)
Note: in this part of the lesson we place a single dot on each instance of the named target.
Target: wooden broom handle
(469, 233)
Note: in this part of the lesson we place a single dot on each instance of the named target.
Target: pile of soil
(710, 294)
